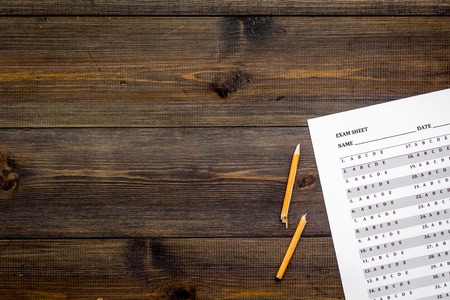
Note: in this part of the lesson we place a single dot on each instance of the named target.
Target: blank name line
(387, 137)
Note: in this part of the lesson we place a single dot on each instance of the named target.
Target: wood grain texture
(167, 269)
(173, 182)
(226, 7)
(212, 71)
(145, 145)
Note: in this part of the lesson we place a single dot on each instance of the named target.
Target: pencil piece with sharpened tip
(290, 185)
(291, 248)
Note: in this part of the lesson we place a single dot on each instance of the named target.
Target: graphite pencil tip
(297, 150)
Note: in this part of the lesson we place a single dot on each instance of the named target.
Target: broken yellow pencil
(291, 248)
(290, 185)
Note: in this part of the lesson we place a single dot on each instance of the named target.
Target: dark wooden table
(145, 145)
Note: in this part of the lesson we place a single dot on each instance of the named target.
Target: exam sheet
(385, 176)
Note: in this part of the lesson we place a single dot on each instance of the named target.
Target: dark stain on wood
(258, 28)
(255, 29)
(231, 34)
(135, 258)
(162, 259)
(230, 84)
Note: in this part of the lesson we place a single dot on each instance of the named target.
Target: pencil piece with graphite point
(290, 185)
(291, 248)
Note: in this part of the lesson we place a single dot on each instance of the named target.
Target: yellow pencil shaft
(290, 186)
(291, 248)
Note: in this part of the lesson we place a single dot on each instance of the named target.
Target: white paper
(385, 175)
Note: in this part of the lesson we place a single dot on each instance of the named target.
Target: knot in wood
(8, 178)
(183, 294)
(10, 182)
(7, 162)
(307, 180)
(232, 83)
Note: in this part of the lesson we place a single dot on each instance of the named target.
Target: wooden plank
(212, 71)
(226, 7)
(167, 269)
(173, 182)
